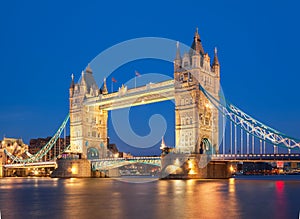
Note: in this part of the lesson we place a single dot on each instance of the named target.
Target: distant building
(2, 158)
(37, 144)
(255, 167)
(113, 148)
(14, 146)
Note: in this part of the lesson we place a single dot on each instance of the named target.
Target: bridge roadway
(150, 93)
(108, 163)
(111, 163)
(256, 157)
(29, 165)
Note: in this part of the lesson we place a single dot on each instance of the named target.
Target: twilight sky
(43, 42)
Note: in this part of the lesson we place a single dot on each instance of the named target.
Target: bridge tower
(196, 122)
(88, 124)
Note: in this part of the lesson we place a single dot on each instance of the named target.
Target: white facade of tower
(196, 119)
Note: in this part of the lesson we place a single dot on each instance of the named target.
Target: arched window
(181, 77)
(92, 153)
(190, 78)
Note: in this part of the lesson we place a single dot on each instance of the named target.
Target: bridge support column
(68, 168)
(1, 170)
(113, 173)
(21, 172)
(2, 162)
(194, 166)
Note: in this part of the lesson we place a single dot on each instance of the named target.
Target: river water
(247, 197)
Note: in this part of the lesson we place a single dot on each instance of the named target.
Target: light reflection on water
(109, 198)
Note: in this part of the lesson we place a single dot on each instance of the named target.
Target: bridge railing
(254, 157)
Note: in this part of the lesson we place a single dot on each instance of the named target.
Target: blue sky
(43, 42)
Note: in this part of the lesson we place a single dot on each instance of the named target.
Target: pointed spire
(197, 46)
(197, 34)
(72, 82)
(178, 57)
(162, 145)
(82, 78)
(104, 90)
(88, 69)
(216, 60)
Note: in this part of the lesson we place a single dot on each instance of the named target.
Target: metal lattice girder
(44, 150)
(251, 125)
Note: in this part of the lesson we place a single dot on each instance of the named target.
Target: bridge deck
(256, 157)
(27, 165)
(116, 162)
(150, 93)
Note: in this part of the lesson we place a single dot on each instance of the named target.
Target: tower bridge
(196, 123)
(201, 130)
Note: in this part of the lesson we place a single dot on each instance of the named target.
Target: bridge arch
(92, 153)
(205, 146)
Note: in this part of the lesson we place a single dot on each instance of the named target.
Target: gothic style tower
(88, 124)
(196, 119)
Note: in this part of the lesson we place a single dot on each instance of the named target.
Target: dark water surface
(249, 197)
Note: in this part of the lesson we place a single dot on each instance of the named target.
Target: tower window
(182, 102)
(190, 77)
(195, 62)
(206, 121)
(181, 77)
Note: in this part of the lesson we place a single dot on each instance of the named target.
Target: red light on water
(279, 186)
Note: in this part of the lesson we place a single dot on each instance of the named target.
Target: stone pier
(69, 168)
(193, 166)
(112, 173)
(1, 170)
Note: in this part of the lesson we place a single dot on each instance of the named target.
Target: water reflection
(108, 198)
(280, 199)
(231, 185)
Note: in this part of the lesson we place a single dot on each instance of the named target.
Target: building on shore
(15, 146)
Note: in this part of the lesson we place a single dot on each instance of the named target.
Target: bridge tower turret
(216, 64)
(88, 124)
(177, 61)
(196, 120)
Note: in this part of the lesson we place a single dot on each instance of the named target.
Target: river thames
(247, 197)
